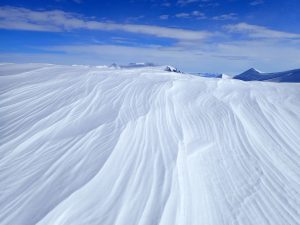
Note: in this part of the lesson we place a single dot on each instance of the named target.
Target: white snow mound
(92, 145)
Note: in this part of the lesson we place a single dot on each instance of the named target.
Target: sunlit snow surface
(97, 145)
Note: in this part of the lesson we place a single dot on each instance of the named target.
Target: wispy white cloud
(199, 15)
(58, 21)
(166, 4)
(254, 31)
(208, 3)
(194, 15)
(76, 1)
(182, 15)
(257, 2)
(229, 16)
(164, 17)
(186, 2)
(134, 18)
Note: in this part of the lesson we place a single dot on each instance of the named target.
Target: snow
(286, 76)
(95, 145)
(226, 76)
(172, 69)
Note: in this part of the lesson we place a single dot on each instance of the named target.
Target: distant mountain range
(133, 65)
(286, 76)
(211, 75)
(249, 75)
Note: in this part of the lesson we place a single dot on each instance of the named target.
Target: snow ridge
(92, 145)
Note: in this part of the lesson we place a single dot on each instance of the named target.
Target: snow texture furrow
(90, 145)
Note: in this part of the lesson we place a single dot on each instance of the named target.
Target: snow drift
(286, 76)
(100, 145)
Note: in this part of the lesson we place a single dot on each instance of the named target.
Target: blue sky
(195, 35)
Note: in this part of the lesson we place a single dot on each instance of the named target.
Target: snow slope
(286, 76)
(96, 145)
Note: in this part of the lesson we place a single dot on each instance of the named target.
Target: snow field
(98, 145)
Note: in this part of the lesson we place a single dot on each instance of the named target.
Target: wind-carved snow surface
(96, 145)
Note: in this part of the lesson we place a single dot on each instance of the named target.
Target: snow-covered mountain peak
(253, 70)
(255, 75)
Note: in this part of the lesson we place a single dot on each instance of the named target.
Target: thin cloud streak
(254, 31)
(229, 16)
(194, 15)
(186, 2)
(59, 21)
(257, 2)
